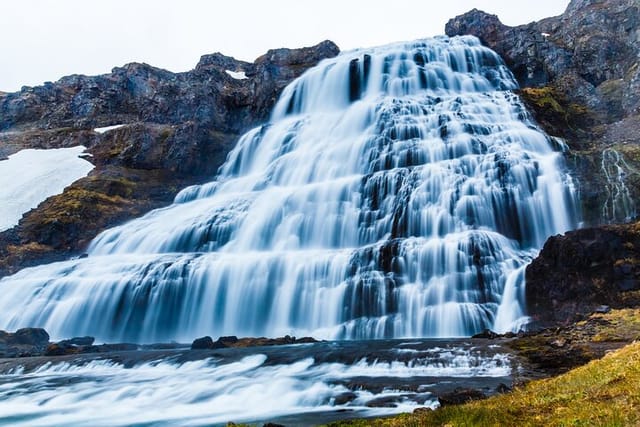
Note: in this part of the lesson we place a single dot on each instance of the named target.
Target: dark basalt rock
(204, 343)
(262, 341)
(58, 349)
(460, 396)
(487, 334)
(72, 346)
(178, 130)
(23, 342)
(229, 340)
(584, 271)
(141, 93)
(207, 343)
(384, 402)
(344, 398)
(591, 43)
(29, 336)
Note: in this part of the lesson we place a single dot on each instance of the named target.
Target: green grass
(605, 392)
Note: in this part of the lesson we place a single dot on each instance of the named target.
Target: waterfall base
(300, 384)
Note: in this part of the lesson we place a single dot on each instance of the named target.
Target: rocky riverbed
(299, 382)
(313, 382)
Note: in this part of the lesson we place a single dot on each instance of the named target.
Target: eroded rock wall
(178, 129)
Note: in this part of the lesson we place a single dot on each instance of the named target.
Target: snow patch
(30, 176)
(107, 128)
(238, 75)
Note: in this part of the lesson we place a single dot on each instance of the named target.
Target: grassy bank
(605, 392)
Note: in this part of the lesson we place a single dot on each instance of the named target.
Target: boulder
(23, 342)
(460, 396)
(57, 349)
(486, 334)
(229, 340)
(206, 343)
(584, 271)
(72, 346)
(203, 343)
(36, 337)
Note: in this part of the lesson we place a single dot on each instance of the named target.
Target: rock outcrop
(210, 95)
(580, 76)
(178, 129)
(23, 342)
(207, 343)
(577, 273)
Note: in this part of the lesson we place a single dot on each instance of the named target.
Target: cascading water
(619, 205)
(396, 192)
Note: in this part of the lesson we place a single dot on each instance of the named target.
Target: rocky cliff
(580, 75)
(585, 271)
(178, 129)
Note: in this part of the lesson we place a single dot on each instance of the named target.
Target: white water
(396, 192)
(252, 388)
(30, 176)
(619, 205)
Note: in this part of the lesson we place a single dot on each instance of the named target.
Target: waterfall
(397, 191)
(619, 205)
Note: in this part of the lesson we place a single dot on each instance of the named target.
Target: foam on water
(214, 391)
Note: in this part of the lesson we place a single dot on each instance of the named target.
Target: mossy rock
(63, 225)
(557, 116)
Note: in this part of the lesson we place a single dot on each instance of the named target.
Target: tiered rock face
(580, 74)
(178, 129)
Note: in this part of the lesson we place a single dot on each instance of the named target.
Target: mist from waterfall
(397, 191)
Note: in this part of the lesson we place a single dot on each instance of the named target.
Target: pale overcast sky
(43, 40)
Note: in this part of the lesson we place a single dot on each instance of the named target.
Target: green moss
(631, 154)
(30, 248)
(544, 98)
(618, 325)
(77, 203)
(552, 110)
(603, 392)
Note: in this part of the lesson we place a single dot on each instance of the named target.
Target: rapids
(292, 385)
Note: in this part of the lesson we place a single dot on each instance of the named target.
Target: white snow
(107, 128)
(545, 35)
(238, 75)
(30, 176)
